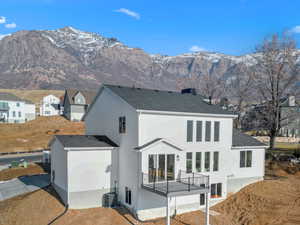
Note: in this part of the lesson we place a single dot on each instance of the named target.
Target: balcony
(184, 184)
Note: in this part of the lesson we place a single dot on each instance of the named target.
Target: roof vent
(192, 91)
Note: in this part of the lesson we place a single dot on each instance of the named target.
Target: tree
(276, 73)
(240, 89)
(212, 86)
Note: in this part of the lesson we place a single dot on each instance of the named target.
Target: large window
(152, 162)
(199, 131)
(20, 114)
(122, 124)
(207, 162)
(161, 167)
(171, 167)
(189, 162)
(245, 159)
(198, 161)
(207, 130)
(216, 161)
(127, 195)
(216, 190)
(217, 131)
(14, 113)
(189, 132)
(202, 199)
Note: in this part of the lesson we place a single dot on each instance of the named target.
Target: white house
(50, 106)
(14, 109)
(162, 152)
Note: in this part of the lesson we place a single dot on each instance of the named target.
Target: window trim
(207, 131)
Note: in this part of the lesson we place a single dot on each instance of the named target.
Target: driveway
(22, 185)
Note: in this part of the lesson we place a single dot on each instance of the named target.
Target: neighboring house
(14, 109)
(50, 106)
(30, 110)
(76, 103)
(255, 117)
(161, 152)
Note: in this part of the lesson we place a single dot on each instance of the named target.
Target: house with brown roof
(76, 103)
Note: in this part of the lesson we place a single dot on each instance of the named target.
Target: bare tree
(212, 86)
(240, 90)
(276, 73)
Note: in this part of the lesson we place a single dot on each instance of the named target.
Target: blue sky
(166, 27)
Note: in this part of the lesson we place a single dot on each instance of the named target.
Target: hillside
(35, 134)
(67, 57)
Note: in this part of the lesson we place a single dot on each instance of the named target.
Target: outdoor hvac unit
(110, 200)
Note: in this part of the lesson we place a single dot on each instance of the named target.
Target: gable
(79, 99)
(159, 145)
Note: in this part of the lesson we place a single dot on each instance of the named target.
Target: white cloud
(129, 13)
(196, 48)
(2, 19)
(3, 36)
(10, 25)
(295, 29)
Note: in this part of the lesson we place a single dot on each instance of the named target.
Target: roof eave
(87, 148)
(250, 147)
(141, 111)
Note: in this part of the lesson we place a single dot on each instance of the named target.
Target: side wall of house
(103, 119)
(89, 177)
(30, 112)
(77, 112)
(17, 109)
(59, 175)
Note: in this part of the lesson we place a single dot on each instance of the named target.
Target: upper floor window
(20, 114)
(18, 104)
(207, 130)
(199, 131)
(245, 159)
(189, 133)
(14, 113)
(189, 162)
(217, 131)
(198, 161)
(122, 124)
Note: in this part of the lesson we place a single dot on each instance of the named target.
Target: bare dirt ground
(32, 169)
(35, 134)
(275, 201)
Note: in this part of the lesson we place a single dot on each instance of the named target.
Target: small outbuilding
(81, 169)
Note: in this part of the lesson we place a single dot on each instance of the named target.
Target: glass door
(171, 167)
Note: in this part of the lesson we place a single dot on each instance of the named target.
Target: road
(4, 160)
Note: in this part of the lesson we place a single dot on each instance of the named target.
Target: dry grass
(11, 173)
(35, 134)
(33, 95)
(270, 202)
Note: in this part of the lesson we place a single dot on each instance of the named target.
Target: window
(122, 125)
(161, 167)
(47, 112)
(245, 159)
(216, 190)
(127, 195)
(20, 114)
(171, 166)
(14, 113)
(47, 105)
(198, 161)
(189, 133)
(18, 104)
(216, 161)
(207, 130)
(152, 167)
(199, 131)
(202, 199)
(217, 131)
(207, 162)
(189, 162)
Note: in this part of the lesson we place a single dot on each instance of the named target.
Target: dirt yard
(32, 169)
(35, 134)
(275, 201)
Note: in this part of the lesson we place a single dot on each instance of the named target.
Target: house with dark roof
(14, 109)
(76, 103)
(160, 153)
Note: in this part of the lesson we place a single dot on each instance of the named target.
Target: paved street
(22, 185)
(4, 160)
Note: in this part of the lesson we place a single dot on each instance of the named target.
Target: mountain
(70, 58)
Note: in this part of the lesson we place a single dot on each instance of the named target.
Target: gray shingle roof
(85, 141)
(146, 99)
(88, 95)
(240, 139)
(9, 97)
